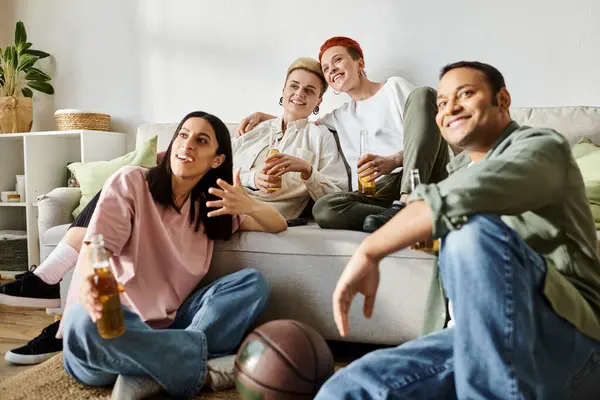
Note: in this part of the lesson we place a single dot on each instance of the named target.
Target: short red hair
(340, 41)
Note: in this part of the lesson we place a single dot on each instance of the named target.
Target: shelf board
(10, 204)
(9, 274)
(73, 133)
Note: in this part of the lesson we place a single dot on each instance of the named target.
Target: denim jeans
(508, 343)
(211, 323)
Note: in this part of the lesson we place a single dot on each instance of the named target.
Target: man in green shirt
(518, 264)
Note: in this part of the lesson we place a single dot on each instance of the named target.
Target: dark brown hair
(494, 77)
(159, 182)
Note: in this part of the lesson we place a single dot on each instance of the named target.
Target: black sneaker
(39, 349)
(30, 291)
(374, 222)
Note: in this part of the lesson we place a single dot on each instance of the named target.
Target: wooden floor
(17, 327)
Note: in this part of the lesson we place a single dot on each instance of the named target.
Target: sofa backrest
(572, 122)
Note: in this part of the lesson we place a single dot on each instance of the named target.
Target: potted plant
(18, 77)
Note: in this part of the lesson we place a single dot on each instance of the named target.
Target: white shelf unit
(43, 158)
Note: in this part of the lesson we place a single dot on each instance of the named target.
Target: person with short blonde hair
(308, 165)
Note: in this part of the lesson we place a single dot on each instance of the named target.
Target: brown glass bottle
(111, 324)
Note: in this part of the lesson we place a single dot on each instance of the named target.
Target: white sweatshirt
(382, 115)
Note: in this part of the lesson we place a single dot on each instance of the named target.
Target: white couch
(302, 264)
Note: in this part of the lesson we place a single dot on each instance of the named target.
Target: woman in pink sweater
(159, 226)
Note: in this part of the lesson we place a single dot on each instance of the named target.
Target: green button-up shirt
(530, 179)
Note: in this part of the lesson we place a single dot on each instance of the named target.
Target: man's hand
(264, 181)
(374, 166)
(361, 275)
(280, 164)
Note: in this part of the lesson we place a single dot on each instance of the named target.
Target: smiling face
(341, 70)
(469, 115)
(301, 94)
(194, 150)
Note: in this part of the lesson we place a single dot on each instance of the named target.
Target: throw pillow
(587, 155)
(92, 175)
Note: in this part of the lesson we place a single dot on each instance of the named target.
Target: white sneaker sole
(28, 359)
(28, 302)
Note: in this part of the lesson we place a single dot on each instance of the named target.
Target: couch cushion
(92, 175)
(54, 235)
(305, 240)
(587, 155)
(301, 240)
(572, 122)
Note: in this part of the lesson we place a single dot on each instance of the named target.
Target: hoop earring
(336, 92)
(316, 110)
(281, 101)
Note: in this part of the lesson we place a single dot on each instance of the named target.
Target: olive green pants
(424, 149)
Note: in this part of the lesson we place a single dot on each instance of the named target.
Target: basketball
(284, 360)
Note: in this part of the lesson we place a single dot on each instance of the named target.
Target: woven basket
(13, 251)
(67, 120)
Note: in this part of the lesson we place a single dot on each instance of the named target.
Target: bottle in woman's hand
(111, 324)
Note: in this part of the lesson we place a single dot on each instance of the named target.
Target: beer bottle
(111, 324)
(415, 179)
(273, 149)
(432, 246)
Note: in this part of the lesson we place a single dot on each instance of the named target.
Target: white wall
(155, 60)
(7, 24)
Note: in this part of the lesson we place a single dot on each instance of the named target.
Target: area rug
(49, 381)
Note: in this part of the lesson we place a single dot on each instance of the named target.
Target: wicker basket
(13, 251)
(67, 120)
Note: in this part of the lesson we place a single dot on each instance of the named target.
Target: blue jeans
(211, 323)
(508, 343)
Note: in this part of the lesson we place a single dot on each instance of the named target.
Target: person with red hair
(402, 136)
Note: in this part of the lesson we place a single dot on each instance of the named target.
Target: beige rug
(49, 381)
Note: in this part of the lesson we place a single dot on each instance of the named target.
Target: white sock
(58, 263)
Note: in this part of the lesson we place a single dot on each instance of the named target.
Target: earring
(281, 101)
(316, 110)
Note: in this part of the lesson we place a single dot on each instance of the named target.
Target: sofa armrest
(55, 208)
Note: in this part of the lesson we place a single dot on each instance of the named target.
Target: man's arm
(530, 173)
(412, 225)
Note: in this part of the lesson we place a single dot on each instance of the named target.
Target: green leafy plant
(17, 72)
